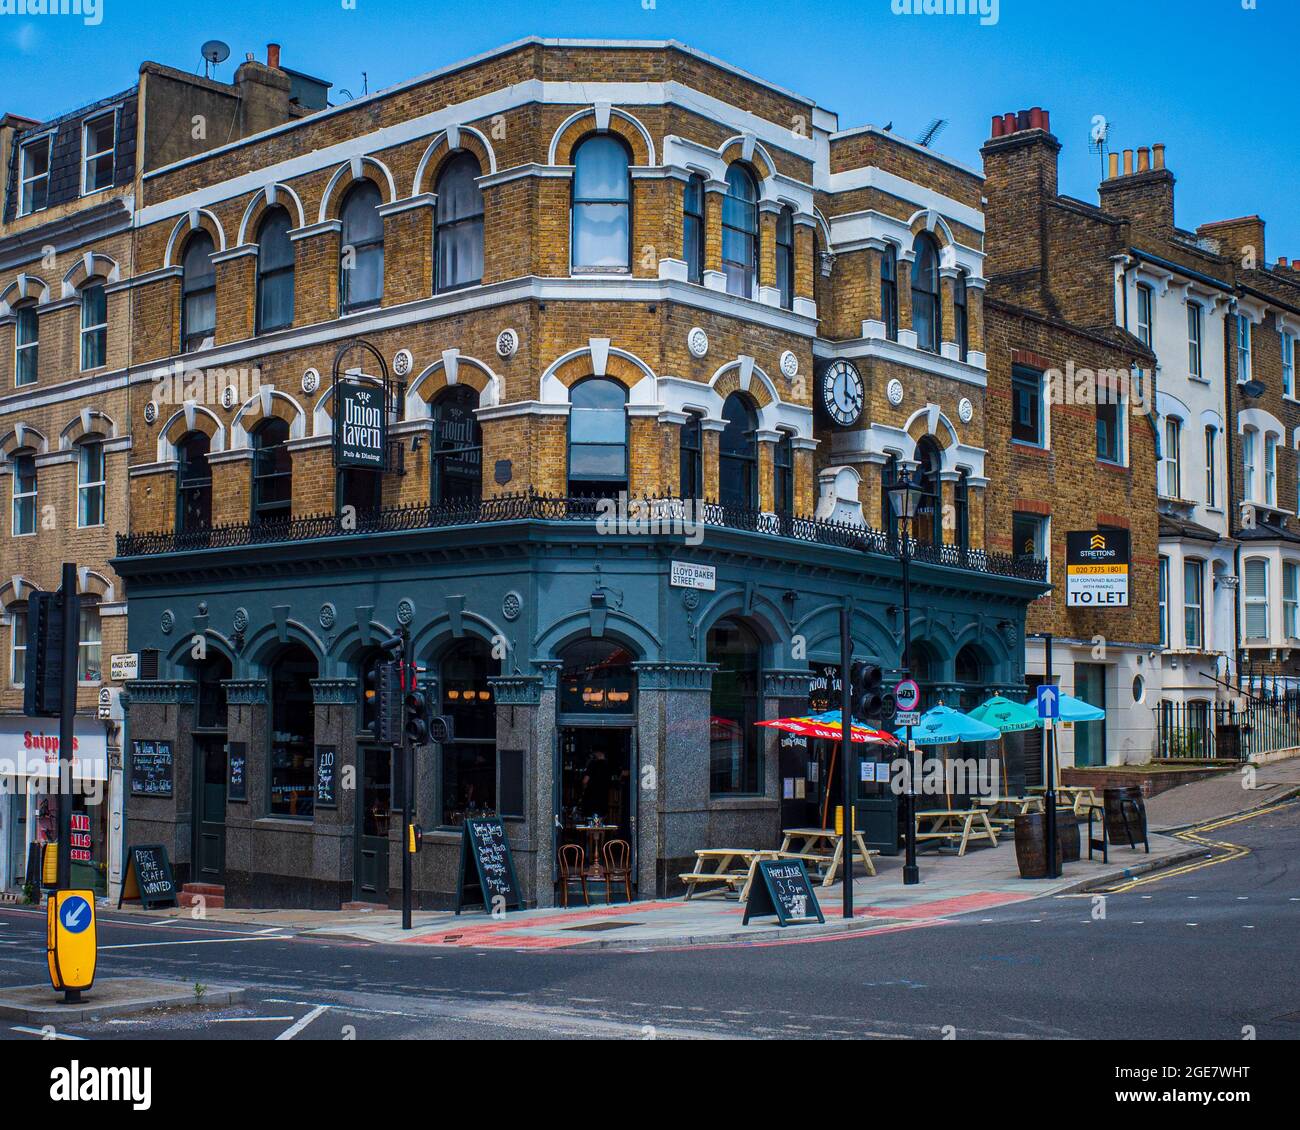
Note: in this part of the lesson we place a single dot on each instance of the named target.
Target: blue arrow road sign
(1049, 702)
(76, 914)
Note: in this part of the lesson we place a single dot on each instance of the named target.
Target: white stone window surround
(875, 442)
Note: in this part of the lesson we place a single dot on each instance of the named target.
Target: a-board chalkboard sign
(326, 779)
(151, 768)
(781, 887)
(487, 870)
(237, 780)
(148, 877)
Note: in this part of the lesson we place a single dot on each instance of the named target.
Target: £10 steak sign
(362, 426)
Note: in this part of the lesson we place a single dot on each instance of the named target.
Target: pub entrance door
(209, 808)
(597, 801)
(374, 806)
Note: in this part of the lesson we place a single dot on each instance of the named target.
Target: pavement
(109, 996)
(1224, 795)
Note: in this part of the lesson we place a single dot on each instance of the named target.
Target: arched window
(456, 460)
(459, 238)
(961, 506)
(734, 762)
(926, 319)
(961, 328)
(272, 471)
(969, 667)
(889, 291)
(17, 644)
(889, 521)
(928, 524)
(783, 475)
(193, 483)
(691, 457)
(785, 256)
(738, 455)
(274, 271)
(26, 344)
(597, 438)
(291, 776)
(361, 249)
(210, 692)
(89, 642)
(24, 478)
(90, 481)
(469, 762)
(198, 294)
(602, 229)
(740, 232)
(693, 229)
(94, 325)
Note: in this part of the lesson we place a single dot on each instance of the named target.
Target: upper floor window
(1173, 457)
(274, 271)
(1243, 348)
(1162, 597)
(962, 326)
(738, 455)
(1027, 406)
(34, 178)
(459, 236)
(783, 475)
(1270, 469)
(1288, 364)
(94, 326)
(602, 205)
(1145, 313)
(1195, 318)
(926, 318)
(691, 457)
(18, 645)
(961, 510)
(693, 228)
(457, 442)
(26, 344)
(927, 524)
(1193, 603)
(193, 483)
(1248, 463)
(1110, 425)
(90, 482)
(1211, 469)
(361, 248)
(97, 138)
(24, 478)
(1256, 598)
(785, 257)
(272, 471)
(1029, 536)
(198, 294)
(740, 232)
(889, 291)
(597, 438)
(89, 643)
(1291, 600)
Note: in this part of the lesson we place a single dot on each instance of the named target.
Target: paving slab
(1227, 795)
(109, 996)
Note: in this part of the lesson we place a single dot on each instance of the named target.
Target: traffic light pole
(67, 721)
(911, 873)
(846, 749)
(405, 751)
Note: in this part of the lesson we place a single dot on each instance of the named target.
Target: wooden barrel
(1067, 836)
(1031, 846)
(1111, 801)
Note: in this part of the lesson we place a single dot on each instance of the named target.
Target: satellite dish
(214, 52)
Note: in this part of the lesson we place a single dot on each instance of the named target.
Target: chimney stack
(273, 56)
(1143, 194)
(1020, 174)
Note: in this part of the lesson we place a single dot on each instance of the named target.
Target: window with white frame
(1145, 308)
(24, 477)
(1256, 598)
(1194, 320)
(27, 329)
(1110, 424)
(1243, 348)
(1173, 457)
(1163, 597)
(34, 177)
(1270, 469)
(94, 326)
(97, 138)
(602, 193)
(18, 645)
(89, 664)
(1288, 364)
(1194, 603)
(1248, 464)
(90, 482)
(1291, 600)
(1211, 465)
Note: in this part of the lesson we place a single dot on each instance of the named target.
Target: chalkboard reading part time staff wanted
(487, 870)
(148, 877)
(151, 768)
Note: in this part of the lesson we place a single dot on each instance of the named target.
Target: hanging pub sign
(360, 425)
(1096, 568)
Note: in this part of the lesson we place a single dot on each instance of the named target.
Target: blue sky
(1216, 80)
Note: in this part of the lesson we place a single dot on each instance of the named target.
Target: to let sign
(361, 426)
(1096, 568)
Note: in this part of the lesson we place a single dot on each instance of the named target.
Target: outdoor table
(723, 873)
(1079, 796)
(831, 859)
(595, 837)
(1022, 805)
(956, 824)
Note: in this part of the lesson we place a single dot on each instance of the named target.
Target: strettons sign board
(1096, 568)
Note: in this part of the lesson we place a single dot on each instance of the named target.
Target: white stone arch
(552, 390)
(257, 407)
(23, 287)
(751, 147)
(275, 193)
(450, 137)
(91, 265)
(418, 407)
(22, 436)
(1262, 421)
(89, 421)
(187, 224)
(602, 112)
(90, 582)
(937, 226)
(16, 589)
(353, 171)
(187, 414)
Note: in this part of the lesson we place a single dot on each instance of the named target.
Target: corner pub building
(575, 271)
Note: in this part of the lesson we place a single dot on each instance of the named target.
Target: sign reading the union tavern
(362, 426)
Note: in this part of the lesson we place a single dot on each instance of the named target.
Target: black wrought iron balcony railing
(653, 516)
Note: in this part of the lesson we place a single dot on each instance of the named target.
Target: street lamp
(905, 497)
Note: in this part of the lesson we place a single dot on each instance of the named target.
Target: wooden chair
(618, 866)
(573, 865)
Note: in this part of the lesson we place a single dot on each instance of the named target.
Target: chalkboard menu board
(151, 768)
(326, 780)
(487, 870)
(148, 877)
(237, 780)
(781, 887)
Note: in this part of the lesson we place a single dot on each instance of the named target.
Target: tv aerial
(1098, 138)
(213, 52)
(933, 130)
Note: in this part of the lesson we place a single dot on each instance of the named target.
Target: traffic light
(417, 710)
(388, 703)
(865, 692)
(43, 679)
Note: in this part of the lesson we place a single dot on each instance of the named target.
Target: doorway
(209, 809)
(374, 808)
(597, 802)
(1090, 737)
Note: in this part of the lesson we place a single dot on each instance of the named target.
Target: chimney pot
(1144, 159)
(1128, 161)
(273, 55)
(1158, 155)
(995, 130)
(1281, 262)
(1047, 120)
(1036, 117)
(1114, 165)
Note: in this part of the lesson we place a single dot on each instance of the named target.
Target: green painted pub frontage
(582, 671)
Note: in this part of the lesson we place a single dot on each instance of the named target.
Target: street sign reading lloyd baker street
(1096, 568)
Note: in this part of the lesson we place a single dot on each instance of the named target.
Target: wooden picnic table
(727, 877)
(811, 849)
(956, 824)
(1079, 796)
(1022, 805)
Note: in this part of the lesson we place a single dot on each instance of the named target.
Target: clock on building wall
(842, 393)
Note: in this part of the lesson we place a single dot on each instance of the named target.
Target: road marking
(293, 1029)
(199, 942)
(248, 1019)
(44, 1033)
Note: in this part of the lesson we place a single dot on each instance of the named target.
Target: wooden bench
(956, 825)
(830, 860)
(723, 874)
